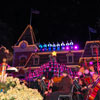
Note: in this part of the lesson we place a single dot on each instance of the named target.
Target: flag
(92, 30)
(35, 11)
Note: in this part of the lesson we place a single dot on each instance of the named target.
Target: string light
(54, 46)
(45, 47)
(63, 46)
(49, 46)
(58, 46)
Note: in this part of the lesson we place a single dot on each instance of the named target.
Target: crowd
(84, 87)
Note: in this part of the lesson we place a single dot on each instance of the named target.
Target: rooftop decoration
(54, 53)
(58, 46)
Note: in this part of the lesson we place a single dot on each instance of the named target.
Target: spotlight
(91, 63)
(75, 47)
(67, 48)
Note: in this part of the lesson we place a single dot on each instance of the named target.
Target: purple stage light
(75, 47)
(67, 48)
(91, 63)
(63, 48)
(43, 49)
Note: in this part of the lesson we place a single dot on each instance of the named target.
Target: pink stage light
(91, 73)
(75, 47)
(67, 48)
(91, 63)
(63, 48)
(79, 73)
(42, 49)
(86, 71)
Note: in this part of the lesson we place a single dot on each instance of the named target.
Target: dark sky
(58, 21)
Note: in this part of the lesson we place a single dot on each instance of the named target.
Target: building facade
(28, 54)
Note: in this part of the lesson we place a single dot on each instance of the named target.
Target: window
(22, 61)
(36, 60)
(70, 58)
(95, 49)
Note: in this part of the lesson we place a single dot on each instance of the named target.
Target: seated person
(55, 80)
(64, 87)
(77, 93)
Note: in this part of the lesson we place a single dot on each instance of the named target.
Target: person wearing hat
(64, 87)
(43, 85)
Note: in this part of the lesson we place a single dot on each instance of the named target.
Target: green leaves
(6, 86)
(12, 98)
(2, 85)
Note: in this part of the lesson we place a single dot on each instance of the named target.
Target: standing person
(83, 89)
(77, 89)
(94, 90)
(64, 87)
(43, 85)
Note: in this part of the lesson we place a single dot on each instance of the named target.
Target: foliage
(13, 90)
(2, 85)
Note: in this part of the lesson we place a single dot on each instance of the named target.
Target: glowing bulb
(67, 48)
(75, 47)
(54, 53)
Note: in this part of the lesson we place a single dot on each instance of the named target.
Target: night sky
(58, 20)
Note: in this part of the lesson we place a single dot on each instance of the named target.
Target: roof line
(31, 30)
(93, 41)
(28, 59)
